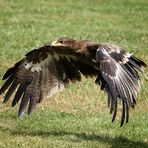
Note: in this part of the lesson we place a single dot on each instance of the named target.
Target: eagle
(47, 70)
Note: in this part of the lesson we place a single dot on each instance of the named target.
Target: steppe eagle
(49, 69)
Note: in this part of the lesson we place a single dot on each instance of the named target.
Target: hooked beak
(55, 43)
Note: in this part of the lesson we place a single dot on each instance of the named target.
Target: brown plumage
(48, 69)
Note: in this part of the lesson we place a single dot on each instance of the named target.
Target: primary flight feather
(48, 69)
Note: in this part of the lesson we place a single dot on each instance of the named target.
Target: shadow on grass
(113, 142)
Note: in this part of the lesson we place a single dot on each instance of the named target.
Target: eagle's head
(64, 42)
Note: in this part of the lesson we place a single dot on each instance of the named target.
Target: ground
(77, 117)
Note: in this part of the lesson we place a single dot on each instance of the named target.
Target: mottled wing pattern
(35, 77)
(42, 73)
(119, 77)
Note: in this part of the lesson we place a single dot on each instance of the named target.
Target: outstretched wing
(43, 72)
(119, 77)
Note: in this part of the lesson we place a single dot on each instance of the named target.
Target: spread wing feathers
(119, 78)
(43, 72)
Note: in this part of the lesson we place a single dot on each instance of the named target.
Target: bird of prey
(50, 68)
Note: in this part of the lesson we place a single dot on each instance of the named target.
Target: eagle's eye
(62, 42)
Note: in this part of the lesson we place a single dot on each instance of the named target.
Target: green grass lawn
(79, 116)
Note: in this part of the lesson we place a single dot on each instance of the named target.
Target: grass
(78, 117)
